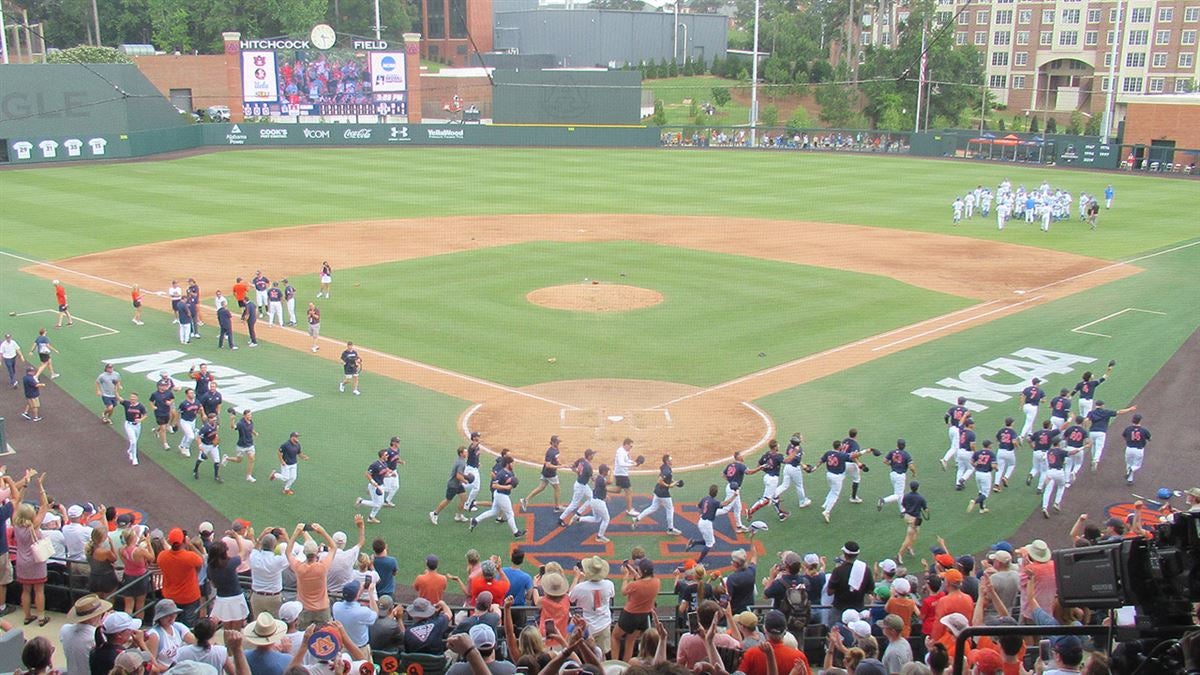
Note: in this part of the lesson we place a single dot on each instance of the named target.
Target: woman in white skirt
(230, 606)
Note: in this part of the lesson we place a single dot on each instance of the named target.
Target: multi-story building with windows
(1054, 56)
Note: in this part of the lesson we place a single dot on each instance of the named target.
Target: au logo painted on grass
(239, 389)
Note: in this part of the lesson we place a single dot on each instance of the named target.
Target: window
(1021, 59)
(1004, 17)
(1091, 37)
(980, 38)
(964, 18)
(887, 39)
(999, 58)
(1112, 36)
(1165, 15)
(885, 20)
(1046, 38)
(1018, 82)
(1135, 60)
(1104, 84)
(458, 19)
(865, 38)
(1068, 38)
(943, 18)
(1162, 37)
(981, 16)
(1112, 16)
(1157, 84)
(960, 39)
(1093, 16)
(436, 18)
(1001, 38)
(998, 81)
(1159, 60)
(1022, 37)
(1187, 37)
(1070, 15)
(1108, 59)
(1139, 15)
(1139, 37)
(1047, 16)
(1025, 16)
(1182, 85)
(1191, 14)
(1186, 60)
(1131, 85)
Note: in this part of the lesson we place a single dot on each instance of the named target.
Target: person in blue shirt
(835, 461)
(355, 617)
(1108, 197)
(262, 639)
(385, 566)
(519, 581)
(1031, 399)
(1097, 423)
(1086, 388)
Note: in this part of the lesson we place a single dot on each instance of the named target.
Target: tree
(86, 54)
(1033, 125)
(695, 109)
(1075, 126)
(660, 115)
(800, 119)
(1018, 123)
(673, 69)
(835, 102)
(720, 96)
(1051, 126)
(1093, 126)
(769, 116)
(1001, 123)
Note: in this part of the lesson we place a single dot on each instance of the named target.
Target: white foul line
(111, 331)
(1109, 267)
(956, 323)
(1117, 313)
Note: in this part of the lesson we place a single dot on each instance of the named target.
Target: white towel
(858, 572)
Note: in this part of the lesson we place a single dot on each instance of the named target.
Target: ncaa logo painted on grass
(239, 389)
(1029, 363)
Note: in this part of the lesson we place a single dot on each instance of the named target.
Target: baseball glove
(875, 452)
(641, 459)
(808, 468)
(1112, 363)
(679, 483)
(864, 468)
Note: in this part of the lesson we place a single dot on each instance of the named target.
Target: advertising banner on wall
(387, 72)
(259, 82)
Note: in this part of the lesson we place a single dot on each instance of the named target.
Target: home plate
(615, 418)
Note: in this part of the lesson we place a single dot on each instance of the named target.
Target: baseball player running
(1086, 388)
(622, 463)
(207, 434)
(456, 486)
(1136, 437)
(984, 462)
(735, 475)
(855, 470)
(351, 367)
(1057, 479)
(504, 482)
(901, 464)
(1060, 408)
(474, 483)
(834, 461)
(290, 455)
(793, 472)
(549, 476)
(108, 387)
(375, 474)
(391, 480)
(163, 400)
(1031, 398)
(597, 507)
(1097, 424)
(1006, 454)
(1076, 438)
(966, 448)
(244, 426)
(134, 414)
(916, 511)
(662, 497)
(1041, 442)
(953, 418)
(581, 492)
(770, 464)
(188, 409)
(708, 508)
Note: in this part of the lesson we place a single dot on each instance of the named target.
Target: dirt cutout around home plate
(593, 296)
(696, 425)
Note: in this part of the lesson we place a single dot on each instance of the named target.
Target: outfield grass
(719, 313)
(62, 211)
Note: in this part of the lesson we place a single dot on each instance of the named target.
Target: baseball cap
(474, 434)
(125, 519)
(131, 660)
(944, 559)
(891, 621)
(350, 590)
(1037, 380)
(775, 622)
(1068, 644)
(483, 636)
(812, 559)
(1002, 546)
(870, 667)
(888, 565)
(395, 439)
(901, 586)
(953, 576)
(431, 561)
(791, 558)
(75, 511)
(860, 628)
(205, 527)
(1002, 557)
(120, 621)
(294, 434)
(849, 616)
(339, 538)
(986, 660)
(290, 611)
(175, 536)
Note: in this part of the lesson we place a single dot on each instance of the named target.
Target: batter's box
(580, 418)
(652, 419)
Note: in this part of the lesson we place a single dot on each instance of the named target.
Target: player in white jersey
(969, 203)
(958, 210)
(1001, 214)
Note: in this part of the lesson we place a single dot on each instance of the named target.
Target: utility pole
(920, 80)
(754, 83)
(1107, 122)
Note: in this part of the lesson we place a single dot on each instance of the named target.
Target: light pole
(377, 27)
(754, 83)
(3, 36)
(1106, 123)
(675, 35)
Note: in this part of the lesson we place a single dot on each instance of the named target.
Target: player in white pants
(472, 474)
(962, 458)
(290, 455)
(1098, 420)
(953, 418)
(793, 477)
(503, 483)
(581, 492)
(275, 311)
(900, 464)
(834, 482)
(1038, 472)
(1136, 436)
(1056, 477)
(662, 497)
(1031, 397)
(709, 509)
(374, 473)
(133, 431)
(983, 461)
(597, 507)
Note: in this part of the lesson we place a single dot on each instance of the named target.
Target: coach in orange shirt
(240, 289)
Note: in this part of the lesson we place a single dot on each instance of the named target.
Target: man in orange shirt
(240, 289)
(60, 294)
(431, 584)
(180, 567)
(755, 660)
(955, 602)
(312, 576)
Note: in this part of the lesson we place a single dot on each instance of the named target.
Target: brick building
(1053, 56)
(449, 26)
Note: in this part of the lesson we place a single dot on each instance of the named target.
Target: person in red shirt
(180, 566)
(490, 578)
(930, 601)
(60, 294)
(754, 662)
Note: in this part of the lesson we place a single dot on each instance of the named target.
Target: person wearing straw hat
(553, 605)
(593, 594)
(167, 634)
(263, 635)
(78, 635)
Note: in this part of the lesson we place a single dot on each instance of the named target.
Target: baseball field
(699, 303)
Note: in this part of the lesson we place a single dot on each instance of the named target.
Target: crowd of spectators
(779, 139)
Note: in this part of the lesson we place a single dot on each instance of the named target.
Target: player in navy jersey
(581, 491)
(916, 511)
(856, 468)
(163, 400)
(770, 464)
(1086, 389)
(1006, 454)
(662, 497)
(1136, 437)
(596, 510)
(834, 461)
(1041, 441)
(502, 486)
(474, 483)
(1060, 408)
(351, 367)
(966, 448)
(391, 481)
(1057, 479)
(135, 413)
(245, 442)
(1097, 424)
(793, 471)
(375, 473)
(900, 465)
(708, 509)
(209, 441)
(290, 455)
(983, 461)
(734, 475)
(189, 407)
(953, 418)
(1031, 398)
(548, 477)
(1076, 438)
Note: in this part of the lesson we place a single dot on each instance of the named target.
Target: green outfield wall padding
(567, 97)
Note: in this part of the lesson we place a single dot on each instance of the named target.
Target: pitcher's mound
(595, 297)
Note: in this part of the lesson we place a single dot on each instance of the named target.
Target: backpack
(795, 604)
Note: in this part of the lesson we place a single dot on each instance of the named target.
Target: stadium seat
(431, 664)
(11, 644)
